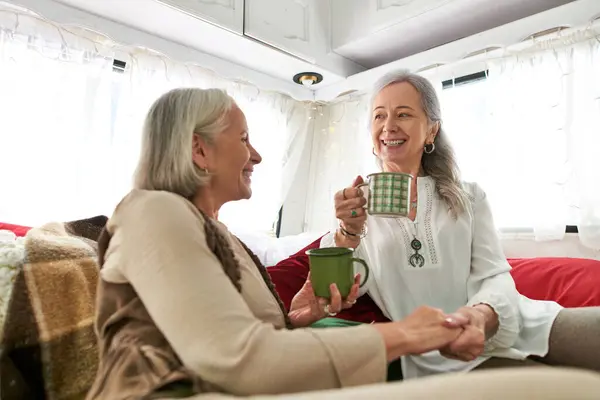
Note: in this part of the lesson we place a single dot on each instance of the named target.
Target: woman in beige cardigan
(184, 309)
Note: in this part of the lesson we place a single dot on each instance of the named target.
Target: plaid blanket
(48, 345)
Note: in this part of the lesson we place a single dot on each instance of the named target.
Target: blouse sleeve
(490, 281)
(162, 252)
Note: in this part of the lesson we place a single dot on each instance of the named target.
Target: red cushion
(571, 282)
(290, 274)
(16, 229)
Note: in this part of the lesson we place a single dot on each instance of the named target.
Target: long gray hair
(441, 163)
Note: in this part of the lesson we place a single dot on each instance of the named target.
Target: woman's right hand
(349, 209)
(424, 330)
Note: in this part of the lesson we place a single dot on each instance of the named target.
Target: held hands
(424, 330)
(306, 308)
(349, 208)
(470, 343)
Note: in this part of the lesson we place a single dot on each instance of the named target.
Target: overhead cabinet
(289, 25)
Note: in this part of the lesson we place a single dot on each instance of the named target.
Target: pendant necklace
(416, 259)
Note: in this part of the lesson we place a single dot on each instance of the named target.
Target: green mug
(334, 265)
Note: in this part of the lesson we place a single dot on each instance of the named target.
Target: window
(494, 159)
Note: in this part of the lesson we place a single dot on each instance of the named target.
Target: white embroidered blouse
(464, 265)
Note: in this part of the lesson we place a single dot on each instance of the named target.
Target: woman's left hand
(470, 343)
(306, 308)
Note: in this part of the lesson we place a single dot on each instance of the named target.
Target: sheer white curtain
(342, 150)
(585, 143)
(55, 121)
(70, 124)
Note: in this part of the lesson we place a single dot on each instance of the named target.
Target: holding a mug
(330, 288)
(350, 211)
(389, 195)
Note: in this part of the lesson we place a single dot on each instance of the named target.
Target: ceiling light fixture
(307, 78)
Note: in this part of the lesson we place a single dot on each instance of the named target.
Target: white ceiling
(452, 20)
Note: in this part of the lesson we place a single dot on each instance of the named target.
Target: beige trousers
(574, 342)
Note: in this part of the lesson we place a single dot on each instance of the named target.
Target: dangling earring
(430, 149)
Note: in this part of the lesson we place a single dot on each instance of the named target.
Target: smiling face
(230, 160)
(400, 129)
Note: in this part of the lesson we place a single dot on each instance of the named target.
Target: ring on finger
(326, 309)
(353, 213)
(350, 302)
(344, 194)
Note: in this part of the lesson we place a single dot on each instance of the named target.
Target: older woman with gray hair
(185, 310)
(445, 253)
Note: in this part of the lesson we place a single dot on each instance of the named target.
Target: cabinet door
(391, 12)
(354, 19)
(285, 24)
(228, 14)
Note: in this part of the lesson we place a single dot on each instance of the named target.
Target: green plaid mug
(388, 194)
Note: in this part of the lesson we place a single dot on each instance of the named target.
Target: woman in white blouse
(465, 270)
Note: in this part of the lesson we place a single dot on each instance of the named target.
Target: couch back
(271, 250)
(524, 245)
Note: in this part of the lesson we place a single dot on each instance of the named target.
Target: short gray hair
(166, 156)
(441, 165)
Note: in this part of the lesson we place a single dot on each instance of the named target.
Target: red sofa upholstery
(571, 282)
(16, 229)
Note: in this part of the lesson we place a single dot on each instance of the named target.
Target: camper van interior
(518, 83)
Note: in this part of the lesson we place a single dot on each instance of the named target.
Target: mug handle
(364, 264)
(362, 185)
